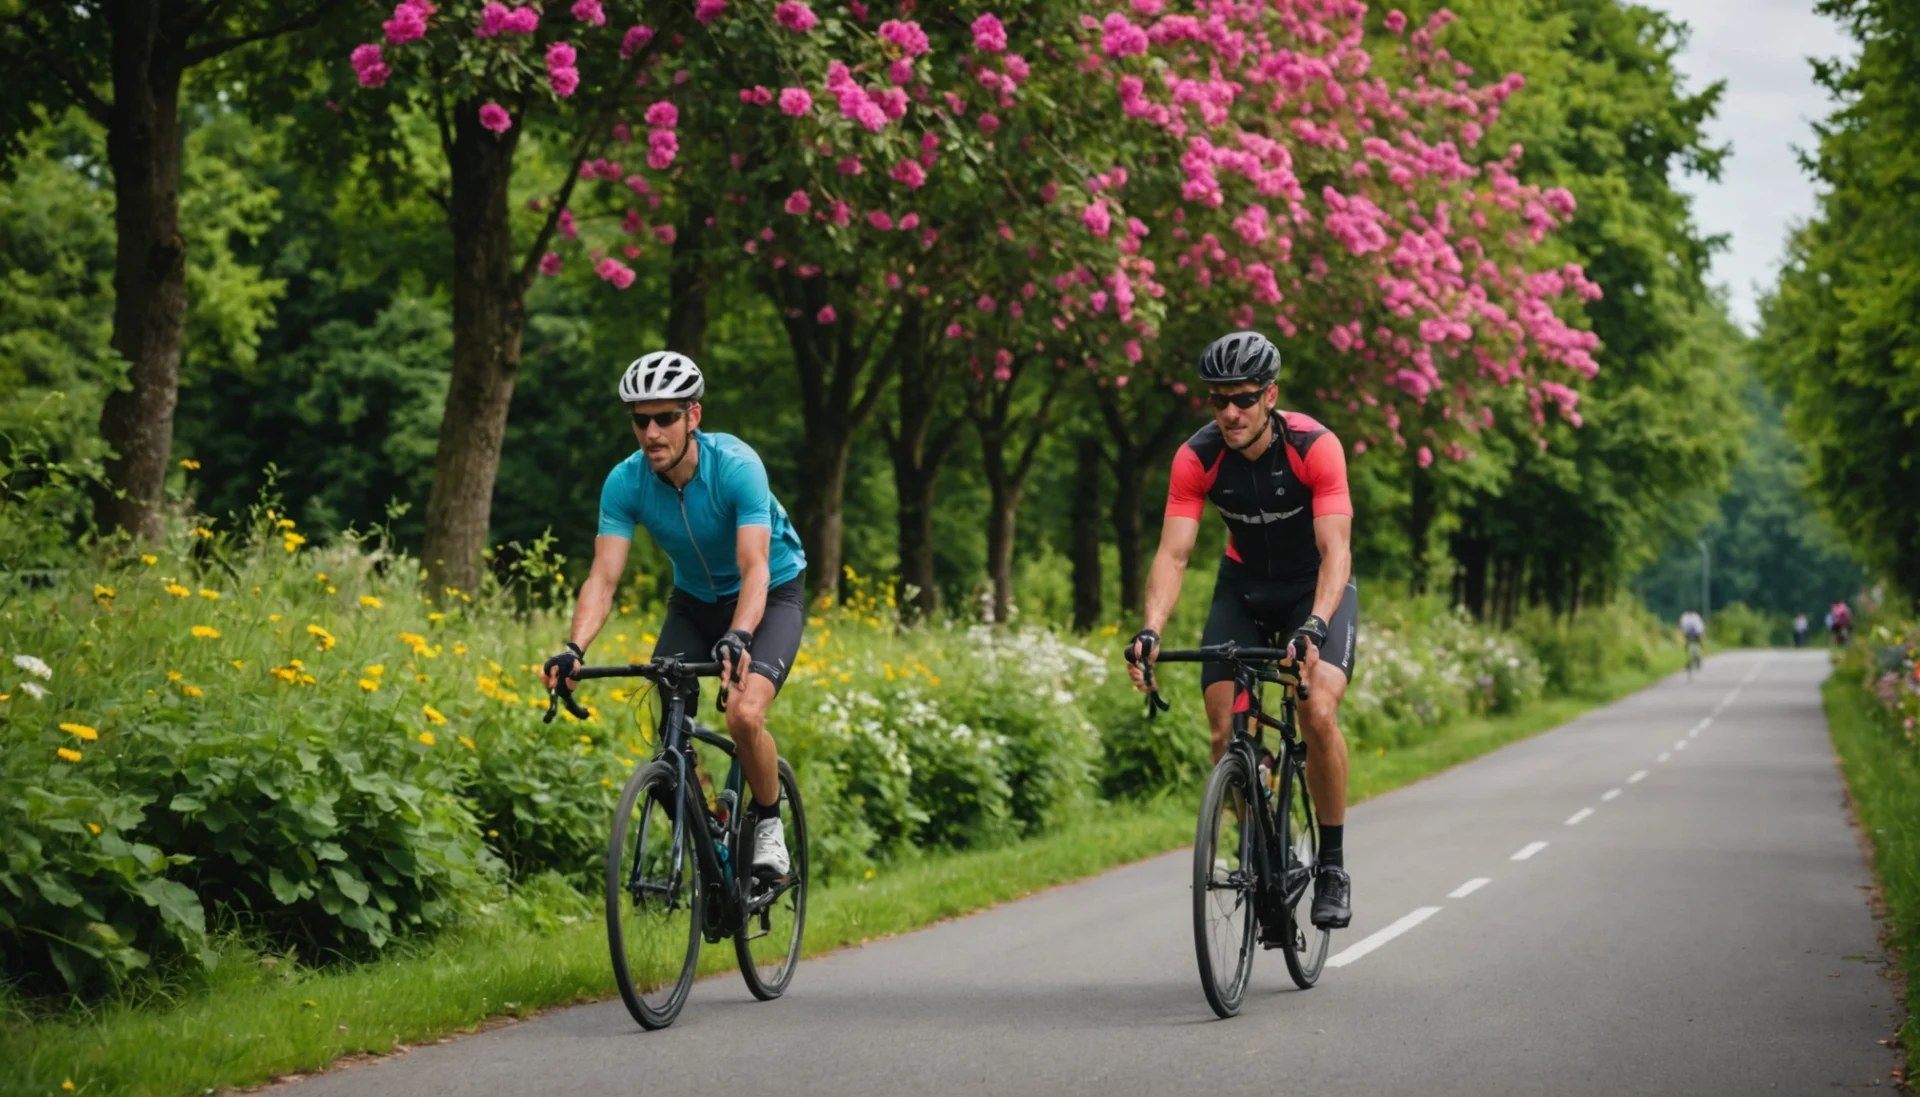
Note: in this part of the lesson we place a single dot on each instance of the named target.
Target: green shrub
(1600, 640)
(1739, 625)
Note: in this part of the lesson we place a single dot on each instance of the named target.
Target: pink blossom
(909, 174)
(613, 270)
(635, 38)
(989, 34)
(910, 222)
(566, 225)
(665, 233)
(1424, 456)
(858, 9)
(953, 331)
(795, 16)
(1048, 191)
(798, 203)
(985, 304)
(850, 165)
(495, 117)
(662, 147)
(757, 95)
(908, 36)
(1396, 21)
(521, 21)
(1096, 218)
(369, 68)
(989, 122)
(840, 213)
(564, 81)
(880, 219)
(1017, 67)
(893, 101)
(1003, 373)
(550, 264)
(408, 24)
(1120, 38)
(560, 55)
(900, 72)
(590, 11)
(826, 315)
(663, 114)
(706, 11)
(493, 19)
(794, 101)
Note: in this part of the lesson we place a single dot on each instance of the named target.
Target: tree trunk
(489, 315)
(992, 410)
(1086, 537)
(1471, 552)
(918, 451)
(1419, 525)
(1131, 459)
(818, 512)
(150, 268)
(1003, 512)
(688, 287)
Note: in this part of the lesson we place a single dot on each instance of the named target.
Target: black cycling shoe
(1332, 894)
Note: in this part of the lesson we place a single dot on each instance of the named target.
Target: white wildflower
(34, 688)
(33, 666)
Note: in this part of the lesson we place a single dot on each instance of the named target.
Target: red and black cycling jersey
(1269, 503)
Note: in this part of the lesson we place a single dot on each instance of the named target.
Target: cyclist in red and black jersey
(1279, 479)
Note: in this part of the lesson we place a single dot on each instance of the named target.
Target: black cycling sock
(765, 811)
(1331, 852)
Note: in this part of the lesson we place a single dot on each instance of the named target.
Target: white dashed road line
(1579, 817)
(1367, 944)
(1664, 755)
(1638, 776)
(1469, 887)
(1680, 744)
(1528, 850)
(1609, 794)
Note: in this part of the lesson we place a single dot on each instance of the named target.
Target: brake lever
(559, 694)
(1155, 703)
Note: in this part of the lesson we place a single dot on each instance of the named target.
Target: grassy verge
(1883, 775)
(251, 1022)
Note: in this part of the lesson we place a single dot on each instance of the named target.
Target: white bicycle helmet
(662, 375)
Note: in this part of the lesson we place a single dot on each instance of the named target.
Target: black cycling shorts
(693, 626)
(1261, 613)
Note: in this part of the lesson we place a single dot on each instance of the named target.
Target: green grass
(1883, 776)
(250, 1022)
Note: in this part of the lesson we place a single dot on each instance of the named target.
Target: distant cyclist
(1841, 621)
(737, 567)
(1279, 480)
(1694, 630)
(1799, 630)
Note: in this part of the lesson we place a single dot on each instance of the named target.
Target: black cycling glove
(566, 664)
(1312, 629)
(1148, 643)
(732, 648)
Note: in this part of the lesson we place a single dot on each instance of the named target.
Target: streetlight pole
(1706, 578)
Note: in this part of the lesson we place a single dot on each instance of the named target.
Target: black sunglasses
(1242, 400)
(658, 418)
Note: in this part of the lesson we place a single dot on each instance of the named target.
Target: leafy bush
(1739, 625)
(1600, 640)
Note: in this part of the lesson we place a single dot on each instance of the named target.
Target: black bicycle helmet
(1242, 358)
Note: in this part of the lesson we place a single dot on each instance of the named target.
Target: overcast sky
(1760, 48)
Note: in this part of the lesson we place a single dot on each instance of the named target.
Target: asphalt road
(1692, 919)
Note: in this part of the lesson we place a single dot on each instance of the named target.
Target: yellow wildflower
(320, 577)
(376, 670)
(324, 637)
(188, 463)
(149, 560)
(413, 640)
(436, 616)
(934, 680)
(239, 664)
(80, 731)
(206, 632)
(94, 827)
(421, 678)
(605, 782)
(292, 541)
(586, 738)
(274, 617)
(333, 590)
(177, 590)
(459, 649)
(67, 1085)
(295, 663)
(193, 691)
(426, 737)
(202, 531)
(285, 674)
(433, 714)
(69, 755)
(370, 601)
(308, 680)
(468, 743)
(102, 592)
(285, 523)
(369, 685)
(174, 676)
(210, 595)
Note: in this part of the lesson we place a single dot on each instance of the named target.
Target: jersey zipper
(712, 587)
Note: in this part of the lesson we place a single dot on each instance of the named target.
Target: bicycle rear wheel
(1304, 947)
(768, 945)
(1224, 884)
(654, 899)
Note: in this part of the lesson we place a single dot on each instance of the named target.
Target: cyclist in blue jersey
(737, 567)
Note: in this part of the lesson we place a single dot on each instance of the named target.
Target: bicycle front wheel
(1225, 881)
(1305, 947)
(768, 944)
(654, 899)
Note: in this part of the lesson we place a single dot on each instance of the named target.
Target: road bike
(1257, 844)
(678, 867)
(1694, 656)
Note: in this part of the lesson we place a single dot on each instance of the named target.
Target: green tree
(1838, 339)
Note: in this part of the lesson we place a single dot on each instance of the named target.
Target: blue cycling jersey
(696, 525)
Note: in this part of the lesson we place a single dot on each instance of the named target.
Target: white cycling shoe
(770, 848)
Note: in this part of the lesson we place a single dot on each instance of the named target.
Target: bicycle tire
(1223, 931)
(1305, 947)
(643, 937)
(769, 967)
